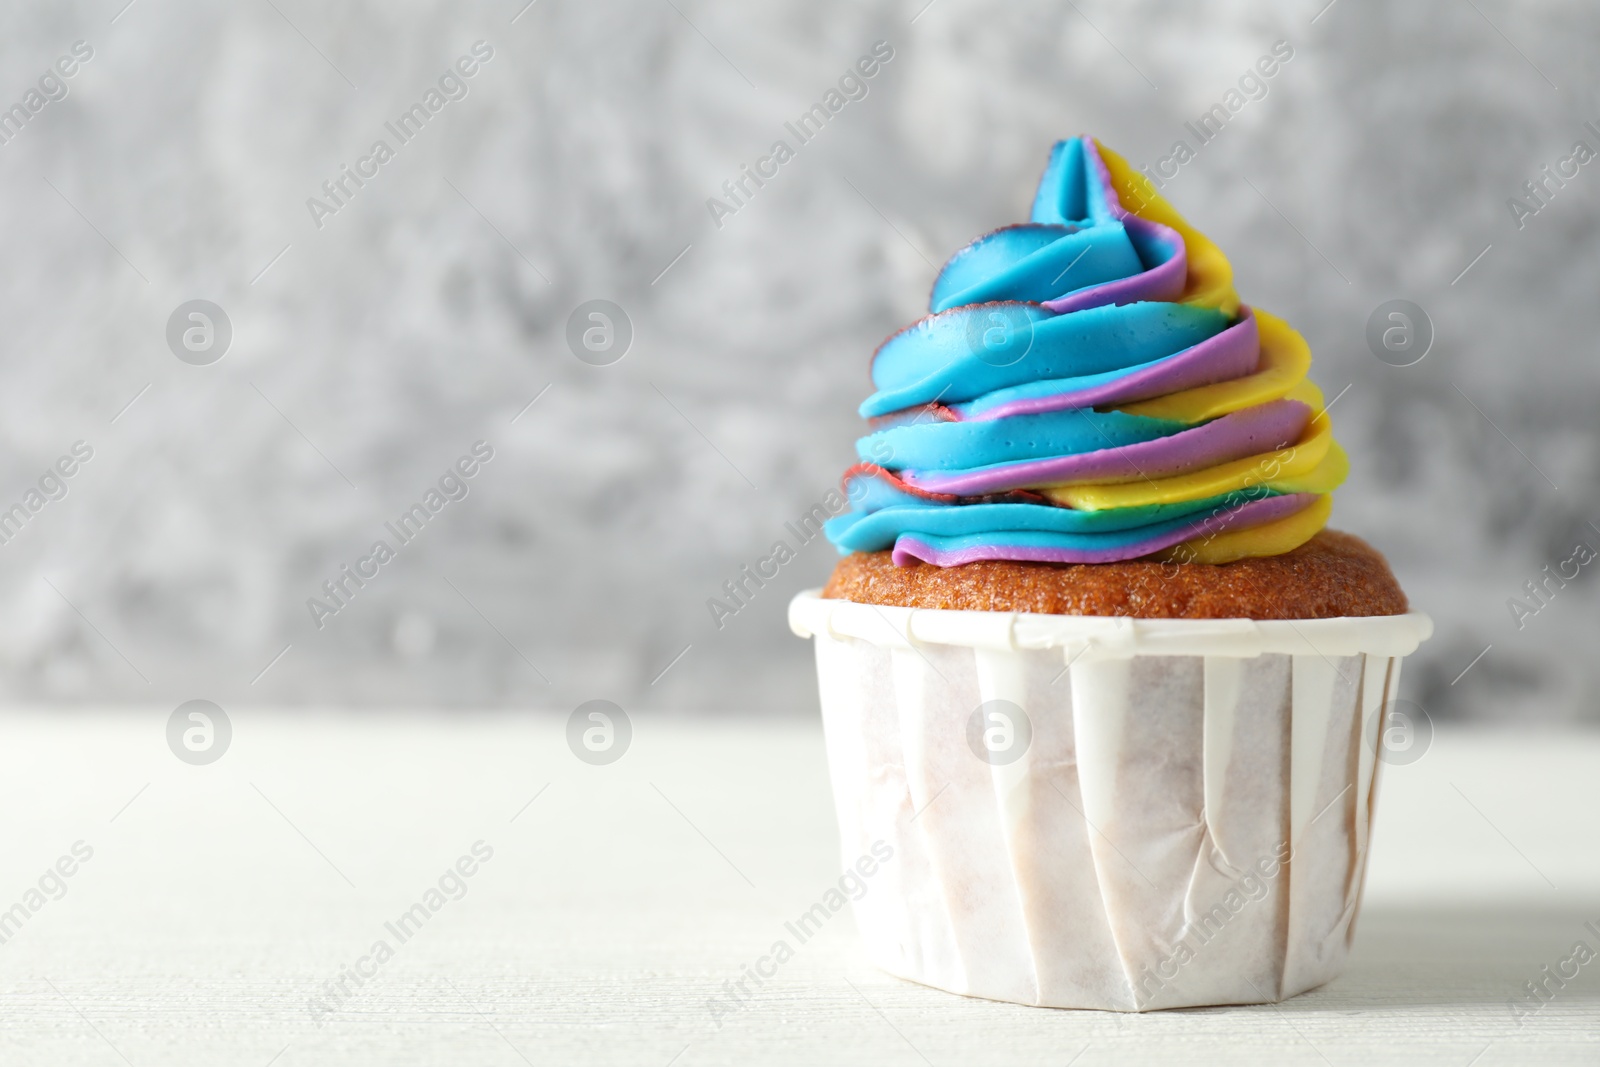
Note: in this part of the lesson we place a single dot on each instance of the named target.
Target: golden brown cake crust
(1333, 575)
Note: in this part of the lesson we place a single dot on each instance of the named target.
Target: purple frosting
(1233, 353)
(908, 548)
(1263, 428)
(1163, 282)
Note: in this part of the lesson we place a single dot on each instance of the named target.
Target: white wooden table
(221, 899)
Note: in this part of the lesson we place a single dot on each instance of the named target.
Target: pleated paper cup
(1111, 813)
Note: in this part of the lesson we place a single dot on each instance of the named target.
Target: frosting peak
(1088, 388)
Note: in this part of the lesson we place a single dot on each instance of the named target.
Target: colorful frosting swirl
(1088, 388)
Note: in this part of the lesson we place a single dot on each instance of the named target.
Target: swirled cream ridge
(1088, 388)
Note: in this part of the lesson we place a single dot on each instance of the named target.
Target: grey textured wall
(432, 307)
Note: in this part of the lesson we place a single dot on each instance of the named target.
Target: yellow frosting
(1210, 273)
(1269, 539)
(1316, 464)
(1285, 361)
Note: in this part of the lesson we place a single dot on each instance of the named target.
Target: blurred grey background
(371, 352)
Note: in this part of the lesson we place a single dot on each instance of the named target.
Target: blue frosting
(1034, 263)
(1066, 195)
(877, 530)
(968, 445)
(967, 353)
(1049, 387)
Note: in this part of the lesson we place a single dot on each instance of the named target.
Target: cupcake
(1093, 671)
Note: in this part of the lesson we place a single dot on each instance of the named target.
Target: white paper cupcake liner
(1187, 824)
